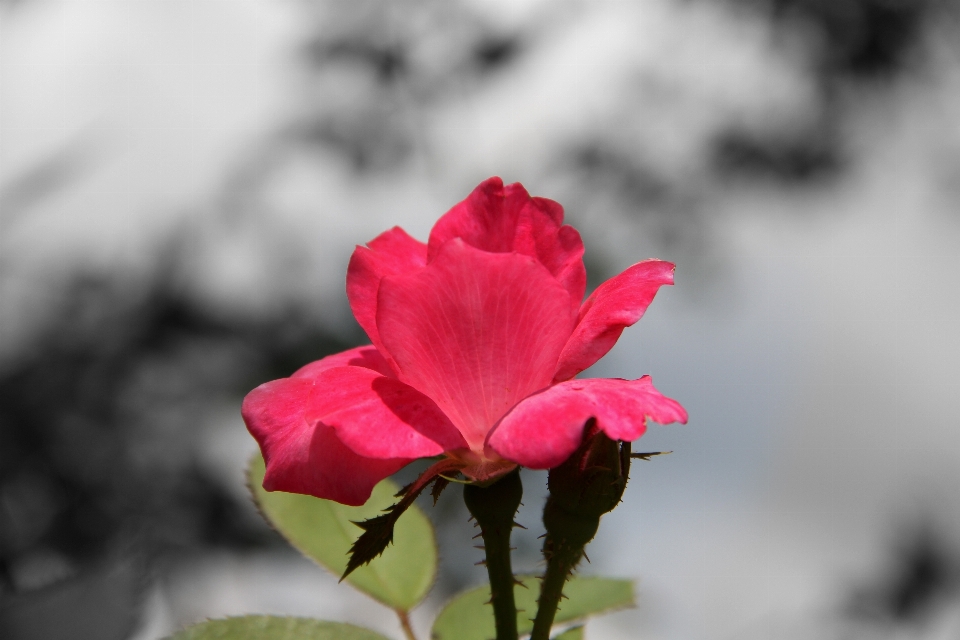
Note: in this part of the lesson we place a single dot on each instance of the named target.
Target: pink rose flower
(476, 338)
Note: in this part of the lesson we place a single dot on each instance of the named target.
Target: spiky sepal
(378, 531)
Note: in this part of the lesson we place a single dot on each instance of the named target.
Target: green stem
(551, 591)
(405, 624)
(494, 508)
(567, 535)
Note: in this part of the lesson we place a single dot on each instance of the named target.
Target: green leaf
(323, 530)
(274, 628)
(468, 617)
(571, 634)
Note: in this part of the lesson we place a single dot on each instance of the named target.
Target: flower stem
(405, 624)
(562, 554)
(494, 508)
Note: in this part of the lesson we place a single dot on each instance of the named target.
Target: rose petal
(304, 457)
(504, 219)
(365, 356)
(337, 434)
(543, 430)
(614, 305)
(475, 331)
(381, 417)
(392, 252)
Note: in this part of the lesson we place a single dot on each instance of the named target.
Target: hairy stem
(559, 567)
(567, 534)
(494, 508)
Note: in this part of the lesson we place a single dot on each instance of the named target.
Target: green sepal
(378, 531)
(649, 454)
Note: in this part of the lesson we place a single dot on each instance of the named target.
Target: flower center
(482, 467)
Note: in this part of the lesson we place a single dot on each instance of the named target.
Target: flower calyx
(587, 485)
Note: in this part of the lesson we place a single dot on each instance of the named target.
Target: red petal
(306, 457)
(504, 219)
(543, 430)
(381, 417)
(616, 304)
(475, 331)
(392, 252)
(337, 434)
(366, 356)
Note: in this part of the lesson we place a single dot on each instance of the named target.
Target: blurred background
(182, 183)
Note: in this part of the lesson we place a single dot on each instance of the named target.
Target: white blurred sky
(815, 342)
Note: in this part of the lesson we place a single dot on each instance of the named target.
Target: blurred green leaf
(571, 634)
(274, 628)
(468, 617)
(323, 530)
